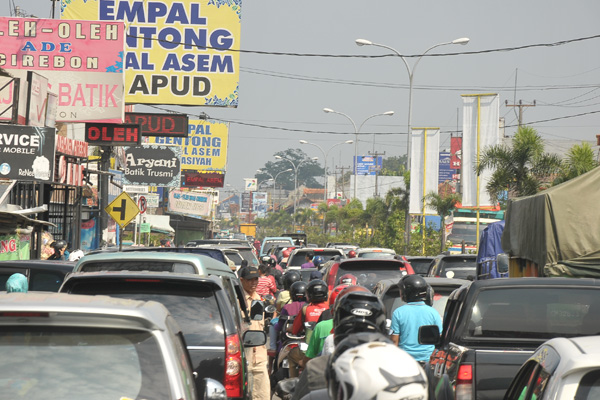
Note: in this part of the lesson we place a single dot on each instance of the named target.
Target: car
(246, 252)
(461, 266)
(420, 264)
(367, 271)
(198, 242)
(305, 273)
(271, 241)
(561, 368)
(57, 345)
(209, 251)
(389, 293)
(235, 257)
(198, 304)
(42, 275)
(298, 256)
(375, 252)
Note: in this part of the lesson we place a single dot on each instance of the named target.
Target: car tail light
(464, 382)
(233, 366)
(331, 274)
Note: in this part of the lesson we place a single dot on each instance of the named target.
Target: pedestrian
(256, 356)
(308, 264)
(407, 319)
(17, 283)
(60, 250)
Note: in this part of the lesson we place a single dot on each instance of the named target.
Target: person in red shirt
(266, 282)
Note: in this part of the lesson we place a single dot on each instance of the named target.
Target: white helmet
(75, 255)
(378, 371)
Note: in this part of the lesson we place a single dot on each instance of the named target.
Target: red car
(368, 271)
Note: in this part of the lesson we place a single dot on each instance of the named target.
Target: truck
(462, 225)
(248, 229)
(492, 326)
(555, 232)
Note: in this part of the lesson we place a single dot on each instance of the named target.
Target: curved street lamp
(356, 132)
(295, 178)
(325, 154)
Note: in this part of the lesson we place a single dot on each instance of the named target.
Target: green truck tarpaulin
(559, 228)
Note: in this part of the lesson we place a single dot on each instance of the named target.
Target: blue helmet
(317, 261)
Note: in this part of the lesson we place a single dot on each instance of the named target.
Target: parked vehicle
(375, 252)
(367, 271)
(248, 229)
(298, 256)
(59, 346)
(271, 241)
(198, 304)
(560, 369)
(42, 275)
(491, 327)
(420, 264)
(460, 266)
(389, 293)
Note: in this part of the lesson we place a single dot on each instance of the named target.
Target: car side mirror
(429, 334)
(254, 338)
(502, 263)
(257, 310)
(211, 389)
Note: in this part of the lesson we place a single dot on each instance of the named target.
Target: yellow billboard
(182, 52)
(205, 148)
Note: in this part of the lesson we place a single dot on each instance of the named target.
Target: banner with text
(82, 60)
(481, 129)
(424, 167)
(27, 153)
(177, 50)
(205, 148)
(190, 202)
(153, 165)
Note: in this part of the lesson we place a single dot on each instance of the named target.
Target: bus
(462, 226)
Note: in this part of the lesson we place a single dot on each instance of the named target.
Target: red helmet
(334, 294)
(346, 290)
(351, 254)
(286, 253)
(347, 279)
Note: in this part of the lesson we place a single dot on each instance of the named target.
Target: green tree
(443, 206)
(580, 159)
(522, 168)
(308, 170)
(393, 166)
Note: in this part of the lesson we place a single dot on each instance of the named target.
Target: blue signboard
(446, 172)
(368, 165)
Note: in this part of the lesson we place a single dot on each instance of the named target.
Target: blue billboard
(368, 165)
(445, 173)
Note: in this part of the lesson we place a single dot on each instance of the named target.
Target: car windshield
(274, 243)
(194, 307)
(137, 265)
(248, 256)
(460, 268)
(235, 257)
(376, 254)
(39, 363)
(368, 277)
(300, 258)
(535, 312)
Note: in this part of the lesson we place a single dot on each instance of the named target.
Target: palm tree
(579, 160)
(522, 168)
(442, 205)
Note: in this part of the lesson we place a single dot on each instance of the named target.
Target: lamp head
(462, 41)
(278, 157)
(303, 142)
(315, 158)
(363, 42)
(349, 141)
(288, 170)
(328, 110)
(390, 113)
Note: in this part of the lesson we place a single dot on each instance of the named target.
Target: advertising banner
(259, 203)
(246, 202)
(424, 167)
(27, 153)
(481, 129)
(192, 203)
(175, 125)
(176, 50)
(12, 111)
(113, 134)
(37, 100)
(200, 179)
(250, 184)
(153, 165)
(455, 152)
(205, 148)
(446, 172)
(14, 247)
(368, 165)
(82, 60)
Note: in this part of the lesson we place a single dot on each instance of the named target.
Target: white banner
(190, 202)
(487, 119)
(424, 167)
(250, 184)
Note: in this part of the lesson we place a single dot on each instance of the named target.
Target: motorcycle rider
(284, 296)
(298, 300)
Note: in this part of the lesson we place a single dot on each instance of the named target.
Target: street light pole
(325, 153)
(275, 184)
(356, 132)
(295, 179)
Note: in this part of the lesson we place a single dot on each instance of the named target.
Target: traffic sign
(142, 204)
(122, 209)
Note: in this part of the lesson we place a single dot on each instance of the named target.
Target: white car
(561, 368)
(375, 252)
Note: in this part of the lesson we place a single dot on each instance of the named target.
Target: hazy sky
(282, 96)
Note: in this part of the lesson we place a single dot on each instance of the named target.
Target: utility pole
(376, 167)
(521, 106)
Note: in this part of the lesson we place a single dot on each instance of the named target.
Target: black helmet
(413, 288)
(358, 312)
(290, 277)
(268, 260)
(59, 244)
(298, 291)
(316, 291)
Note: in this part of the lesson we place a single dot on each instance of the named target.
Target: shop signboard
(202, 179)
(153, 165)
(368, 165)
(190, 202)
(113, 134)
(174, 125)
(27, 153)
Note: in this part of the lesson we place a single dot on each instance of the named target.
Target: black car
(420, 264)
(198, 304)
(460, 266)
(42, 275)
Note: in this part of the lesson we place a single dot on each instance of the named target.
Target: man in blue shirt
(407, 319)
